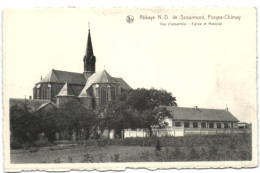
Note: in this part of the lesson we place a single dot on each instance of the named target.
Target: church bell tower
(89, 59)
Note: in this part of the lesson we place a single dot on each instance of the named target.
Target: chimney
(30, 97)
(195, 108)
(226, 108)
(41, 77)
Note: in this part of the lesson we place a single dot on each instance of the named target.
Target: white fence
(175, 131)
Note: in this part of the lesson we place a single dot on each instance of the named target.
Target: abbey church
(92, 89)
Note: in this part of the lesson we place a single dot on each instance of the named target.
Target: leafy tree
(23, 124)
(140, 99)
(162, 97)
(123, 96)
(116, 116)
(154, 118)
(74, 117)
(48, 122)
(143, 99)
(149, 104)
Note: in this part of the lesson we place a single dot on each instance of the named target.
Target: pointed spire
(89, 50)
(89, 58)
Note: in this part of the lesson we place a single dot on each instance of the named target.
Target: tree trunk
(151, 131)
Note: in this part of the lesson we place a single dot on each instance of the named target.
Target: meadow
(232, 147)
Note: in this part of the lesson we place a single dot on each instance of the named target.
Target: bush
(232, 145)
(57, 160)
(193, 155)
(115, 158)
(88, 158)
(212, 151)
(16, 143)
(145, 156)
(178, 155)
(158, 146)
(70, 159)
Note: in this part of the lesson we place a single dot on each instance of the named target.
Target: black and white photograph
(129, 87)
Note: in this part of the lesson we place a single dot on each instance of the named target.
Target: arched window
(113, 94)
(103, 96)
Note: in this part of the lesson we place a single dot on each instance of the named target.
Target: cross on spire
(88, 26)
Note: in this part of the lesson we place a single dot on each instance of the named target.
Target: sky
(210, 66)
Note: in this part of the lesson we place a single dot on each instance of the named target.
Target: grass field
(188, 148)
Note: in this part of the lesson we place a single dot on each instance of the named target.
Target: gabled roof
(66, 90)
(57, 76)
(98, 77)
(101, 77)
(32, 104)
(201, 114)
(45, 104)
(123, 84)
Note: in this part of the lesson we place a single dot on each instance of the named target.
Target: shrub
(244, 155)
(16, 143)
(203, 153)
(177, 154)
(70, 159)
(193, 155)
(57, 160)
(33, 149)
(232, 144)
(159, 156)
(100, 157)
(145, 156)
(158, 145)
(115, 158)
(88, 158)
(213, 151)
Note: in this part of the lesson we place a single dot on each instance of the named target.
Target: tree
(116, 116)
(23, 124)
(74, 117)
(154, 118)
(48, 122)
(149, 104)
(143, 99)
(163, 98)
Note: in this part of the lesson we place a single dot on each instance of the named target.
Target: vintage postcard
(117, 88)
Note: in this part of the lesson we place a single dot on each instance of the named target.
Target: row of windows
(45, 93)
(203, 125)
(104, 95)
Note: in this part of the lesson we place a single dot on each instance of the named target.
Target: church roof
(98, 77)
(32, 104)
(57, 76)
(45, 104)
(123, 84)
(201, 114)
(66, 91)
(101, 77)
